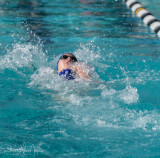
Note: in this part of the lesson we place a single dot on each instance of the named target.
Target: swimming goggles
(74, 59)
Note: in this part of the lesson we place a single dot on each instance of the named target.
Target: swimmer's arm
(81, 73)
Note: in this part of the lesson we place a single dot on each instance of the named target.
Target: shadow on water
(93, 18)
(34, 15)
(111, 20)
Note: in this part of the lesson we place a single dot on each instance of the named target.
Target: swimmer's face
(65, 60)
(69, 57)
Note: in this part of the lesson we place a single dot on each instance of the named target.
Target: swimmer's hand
(81, 70)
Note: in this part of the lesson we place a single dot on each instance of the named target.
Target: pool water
(115, 115)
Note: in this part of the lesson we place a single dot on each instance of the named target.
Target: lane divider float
(141, 12)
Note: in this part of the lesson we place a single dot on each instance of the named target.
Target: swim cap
(58, 61)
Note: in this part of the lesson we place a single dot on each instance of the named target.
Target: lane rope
(141, 12)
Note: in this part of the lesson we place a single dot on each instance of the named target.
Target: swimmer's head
(65, 59)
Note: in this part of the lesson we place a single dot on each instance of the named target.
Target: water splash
(129, 95)
(23, 55)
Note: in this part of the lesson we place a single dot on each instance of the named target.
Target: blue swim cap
(58, 61)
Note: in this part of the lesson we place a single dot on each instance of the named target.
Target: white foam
(23, 56)
(146, 120)
(76, 100)
(147, 75)
(107, 92)
(44, 77)
(129, 95)
(101, 123)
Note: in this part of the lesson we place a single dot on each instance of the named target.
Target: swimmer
(69, 68)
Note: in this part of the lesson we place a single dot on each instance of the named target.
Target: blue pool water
(115, 115)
